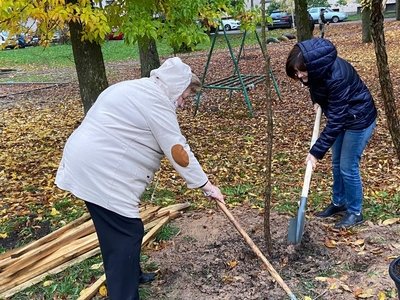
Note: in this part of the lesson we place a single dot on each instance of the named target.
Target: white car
(229, 24)
(2, 39)
(330, 15)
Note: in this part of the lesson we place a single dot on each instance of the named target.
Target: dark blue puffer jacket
(335, 85)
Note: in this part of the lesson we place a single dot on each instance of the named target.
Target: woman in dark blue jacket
(350, 120)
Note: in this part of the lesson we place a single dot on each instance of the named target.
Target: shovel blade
(292, 231)
(296, 225)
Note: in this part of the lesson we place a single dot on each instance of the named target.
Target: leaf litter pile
(208, 259)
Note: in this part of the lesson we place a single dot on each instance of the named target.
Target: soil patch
(209, 259)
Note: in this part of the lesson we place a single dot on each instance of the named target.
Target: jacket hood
(319, 56)
(173, 76)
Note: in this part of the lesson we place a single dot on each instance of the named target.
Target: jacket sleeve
(164, 125)
(336, 114)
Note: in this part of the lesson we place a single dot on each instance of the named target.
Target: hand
(312, 159)
(213, 192)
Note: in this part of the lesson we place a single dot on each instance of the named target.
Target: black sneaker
(331, 210)
(349, 220)
(146, 277)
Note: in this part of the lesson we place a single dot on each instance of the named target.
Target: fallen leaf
(47, 283)
(3, 235)
(307, 298)
(96, 266)
(103, 291)
(390, 221)
(345, 287)
(358, 242)
(323, 279)
(54, 212)
(232, 264)
(330, 243)
(381, 295)
(369, 293)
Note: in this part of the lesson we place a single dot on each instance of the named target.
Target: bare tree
(398, 10)
(385, 81)
(269, 139)
(366, 25)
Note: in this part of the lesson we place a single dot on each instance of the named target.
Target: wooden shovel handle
(309, 169)
(257, 251)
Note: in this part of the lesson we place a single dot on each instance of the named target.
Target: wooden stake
(33, 256)
(65, 255)
(53, 235)
(14, 290)
(154, 230)
(257, 251)
(91, 291)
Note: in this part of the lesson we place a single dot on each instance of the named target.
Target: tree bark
(366, 25)
(149, 58)
(385, 81)
(89, 66)
(397, 10)
(304, 31)
(269, 139)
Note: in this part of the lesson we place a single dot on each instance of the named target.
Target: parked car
(280, 19)
(229, 24)
(2, 39)
(115, 35)
(12, 42)
(330, 15)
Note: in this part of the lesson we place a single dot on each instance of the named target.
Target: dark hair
(294, 62)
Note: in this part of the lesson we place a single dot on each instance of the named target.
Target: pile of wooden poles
(23, 267)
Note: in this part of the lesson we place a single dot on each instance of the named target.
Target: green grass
(65, 285)
(357, 17)
(61, 55)
(166, 233)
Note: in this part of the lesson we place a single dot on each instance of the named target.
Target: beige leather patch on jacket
(179, 155)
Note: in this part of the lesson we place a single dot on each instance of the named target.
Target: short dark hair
(294, 62)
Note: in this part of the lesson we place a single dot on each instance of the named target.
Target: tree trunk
(269, 139)
(366, 25)
(397, 10)
(304, 31)
(385, 81)
(89, 66)
(149, 58)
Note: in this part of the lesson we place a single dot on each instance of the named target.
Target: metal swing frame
(237, 81)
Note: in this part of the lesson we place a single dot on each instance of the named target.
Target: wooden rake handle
(257, 251)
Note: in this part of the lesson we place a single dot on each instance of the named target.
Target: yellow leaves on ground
(47, 283)
(334, 283)
(54, 212)
(389, 222)
(96, 266)
(233, 263)
(363, 294)
(103, 291)
(3, 235)
(359, 293)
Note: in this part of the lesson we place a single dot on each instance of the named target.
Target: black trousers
(120, 240)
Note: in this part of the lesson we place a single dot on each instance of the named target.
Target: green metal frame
(237, 81)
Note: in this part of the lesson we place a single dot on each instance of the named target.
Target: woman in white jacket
(109, 160)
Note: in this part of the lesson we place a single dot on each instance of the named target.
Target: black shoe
(146, 277)
(349, 220)
(331, 210)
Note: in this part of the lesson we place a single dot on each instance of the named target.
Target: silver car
(330, 15)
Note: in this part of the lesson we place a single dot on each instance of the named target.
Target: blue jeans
(346, 155)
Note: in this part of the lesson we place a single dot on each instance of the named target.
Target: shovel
(296, 225)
